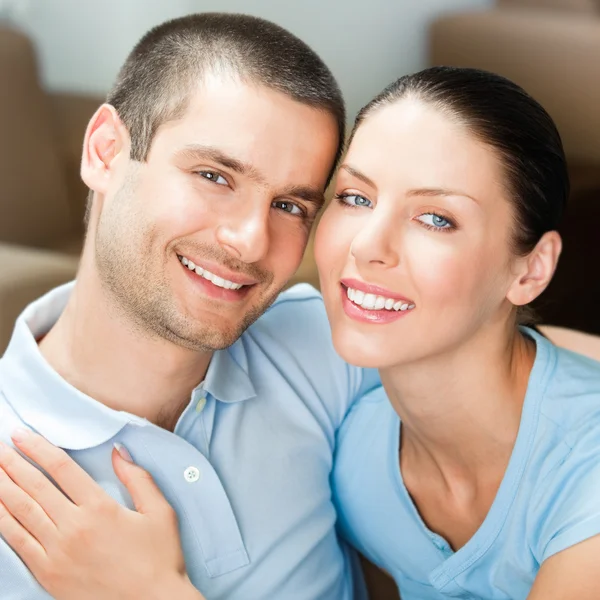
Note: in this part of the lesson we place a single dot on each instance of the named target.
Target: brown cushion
(554, 56)
(584, 6)
(33, 205)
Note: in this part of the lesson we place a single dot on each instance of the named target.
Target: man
(207, 167)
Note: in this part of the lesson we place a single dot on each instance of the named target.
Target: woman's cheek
(438, 269)
(333, 242)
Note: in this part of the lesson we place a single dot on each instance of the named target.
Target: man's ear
(536, 270)
(106, 139)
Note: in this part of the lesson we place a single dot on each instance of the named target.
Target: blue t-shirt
(549, 498)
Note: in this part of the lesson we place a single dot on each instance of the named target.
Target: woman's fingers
(147, 497)
(26, 510)
(70, 477)
(32, 481)
(20, 540)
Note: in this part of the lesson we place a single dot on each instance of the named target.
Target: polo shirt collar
(69, 418)
(40, 396)
(227, 378)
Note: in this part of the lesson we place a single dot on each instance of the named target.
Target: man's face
(196, 242)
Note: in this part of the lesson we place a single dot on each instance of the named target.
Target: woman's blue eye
(214, 177)
(435, 221)
(354, 200)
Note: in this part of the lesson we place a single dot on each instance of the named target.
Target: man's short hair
(161, 73)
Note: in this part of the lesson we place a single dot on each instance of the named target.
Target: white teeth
(369, 301)
(373, 302)
(214, 279)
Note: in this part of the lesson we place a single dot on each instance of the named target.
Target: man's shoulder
(9, 419)
(301, 297)
(297, 314)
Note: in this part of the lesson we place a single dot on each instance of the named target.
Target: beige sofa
(41, 194)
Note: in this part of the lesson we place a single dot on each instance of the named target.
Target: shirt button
(200, 405)
(191, 474)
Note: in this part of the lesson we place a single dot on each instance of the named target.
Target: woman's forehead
(414, 144)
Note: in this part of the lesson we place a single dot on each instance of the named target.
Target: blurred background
(58, 58)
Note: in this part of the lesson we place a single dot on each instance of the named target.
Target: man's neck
(99, 351)
(461, 411)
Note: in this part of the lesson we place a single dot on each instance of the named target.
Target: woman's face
(414, 253)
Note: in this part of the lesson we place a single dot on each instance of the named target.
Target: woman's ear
(535, 270)
(106, 138)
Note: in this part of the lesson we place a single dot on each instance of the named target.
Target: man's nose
(245, 234)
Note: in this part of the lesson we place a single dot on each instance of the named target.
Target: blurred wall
(367, 43)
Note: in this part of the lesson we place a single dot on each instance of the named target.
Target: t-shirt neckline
(451, 563)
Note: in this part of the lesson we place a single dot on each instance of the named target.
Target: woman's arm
(572, 573)
(83, 545)
(576, 341)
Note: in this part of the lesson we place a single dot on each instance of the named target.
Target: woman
(476, 474)
(476, 478)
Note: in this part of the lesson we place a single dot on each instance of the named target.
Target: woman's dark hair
(504, 116)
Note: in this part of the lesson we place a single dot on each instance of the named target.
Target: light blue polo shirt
(548, 500)
(247, 469)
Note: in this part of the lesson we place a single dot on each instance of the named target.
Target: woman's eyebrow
(439, 192)
(356, 173)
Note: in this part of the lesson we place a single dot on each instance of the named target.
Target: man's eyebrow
(308, 194)
(432, 192)
(356, 173)
(199, 152)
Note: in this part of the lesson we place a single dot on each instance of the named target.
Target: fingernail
(20, 434)
(123, 452)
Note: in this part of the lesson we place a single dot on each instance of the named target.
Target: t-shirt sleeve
(567, 508)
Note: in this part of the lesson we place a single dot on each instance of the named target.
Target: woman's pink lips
(369, 288)
(375, 317)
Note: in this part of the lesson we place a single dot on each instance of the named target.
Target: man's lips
(213, 286)
(203, 267)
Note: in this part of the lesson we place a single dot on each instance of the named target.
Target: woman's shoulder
(571, 394)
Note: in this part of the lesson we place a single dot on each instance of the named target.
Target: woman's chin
(361, 351)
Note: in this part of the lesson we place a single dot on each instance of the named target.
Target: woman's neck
(461, 410)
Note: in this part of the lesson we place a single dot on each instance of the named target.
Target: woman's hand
(85, 545)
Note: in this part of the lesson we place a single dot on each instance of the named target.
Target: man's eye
(213, 176)
(288, 207)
